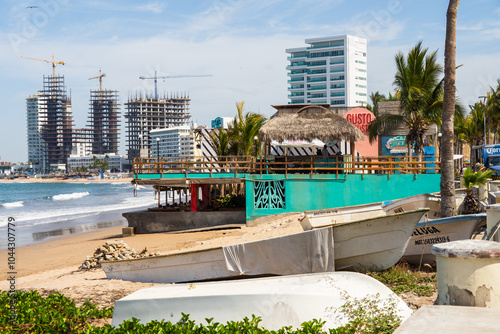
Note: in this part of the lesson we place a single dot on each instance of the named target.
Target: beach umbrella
(309, 123)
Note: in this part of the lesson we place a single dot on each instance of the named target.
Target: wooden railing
(335, 165)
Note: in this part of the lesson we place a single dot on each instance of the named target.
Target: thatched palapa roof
(308, 123)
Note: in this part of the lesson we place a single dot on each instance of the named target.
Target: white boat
(279, 301)
(440, 230)
(377, 242)
(431, 201)
(374, 244)
(327, 217)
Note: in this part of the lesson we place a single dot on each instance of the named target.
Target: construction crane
(53, 62)
(100, 76)
(155, 78)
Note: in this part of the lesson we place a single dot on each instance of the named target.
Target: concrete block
(128, 231)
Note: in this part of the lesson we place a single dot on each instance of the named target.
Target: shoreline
(56, 180)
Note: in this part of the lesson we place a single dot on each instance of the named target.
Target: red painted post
(194, 197)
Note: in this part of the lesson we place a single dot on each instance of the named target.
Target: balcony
(320, 79)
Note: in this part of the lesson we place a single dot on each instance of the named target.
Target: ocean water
(46, 210)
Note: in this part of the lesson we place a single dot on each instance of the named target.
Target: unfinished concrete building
(104, 121)
(146, 114)
(57, 127)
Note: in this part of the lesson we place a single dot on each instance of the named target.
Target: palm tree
(448, 208)
(493, 110)
(220, 139)
(243, 131)
(479, 178)
(420, 93)
(471, 129)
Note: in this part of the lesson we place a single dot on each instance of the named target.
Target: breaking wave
(13, 204)
(65, 197)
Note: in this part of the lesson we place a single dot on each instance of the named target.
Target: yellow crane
(53, 62)
(171, 77)
(100, 76)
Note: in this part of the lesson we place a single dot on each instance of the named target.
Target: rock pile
(113, 251)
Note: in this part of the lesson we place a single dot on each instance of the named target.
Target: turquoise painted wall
(322, 191)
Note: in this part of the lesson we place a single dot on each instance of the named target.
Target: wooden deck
(231, 169)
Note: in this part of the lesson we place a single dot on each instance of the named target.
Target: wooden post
(205, 199)
(194, 197)
(312, 165)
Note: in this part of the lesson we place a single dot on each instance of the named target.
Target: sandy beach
(53, 266)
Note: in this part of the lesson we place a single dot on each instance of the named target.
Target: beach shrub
(28, 312)
(400, 279)
(58, 314)
(229, 201)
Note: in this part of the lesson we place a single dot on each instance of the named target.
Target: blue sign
(491, 150)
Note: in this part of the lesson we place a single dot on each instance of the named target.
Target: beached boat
(374, 244)
(279, 301)
(431, 201)
(440, 230)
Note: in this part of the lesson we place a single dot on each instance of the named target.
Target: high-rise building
(49, 123)
(331, 70)
(104, 121)
(144, 115)
(34, 123)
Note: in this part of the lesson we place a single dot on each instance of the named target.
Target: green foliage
(239, 139)
(230, 201)
(53, 314)
(478, 178)
(401, 279)
(58, 314)
(420, 92)
(369, 315)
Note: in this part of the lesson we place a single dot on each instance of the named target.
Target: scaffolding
(104, 121)
(146, 114)
(56, 130)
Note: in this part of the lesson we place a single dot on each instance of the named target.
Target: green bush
(58, 314)
(54, 314)
(401, 279)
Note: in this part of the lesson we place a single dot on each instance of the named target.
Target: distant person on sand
(325, 152)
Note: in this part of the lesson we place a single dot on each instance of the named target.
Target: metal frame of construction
(104, 121)
(56, 132)
(146, 114)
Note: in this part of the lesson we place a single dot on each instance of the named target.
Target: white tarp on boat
(305, 252)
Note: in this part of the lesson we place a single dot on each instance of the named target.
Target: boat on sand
(370, 244)
(279, 301)
(436, 231)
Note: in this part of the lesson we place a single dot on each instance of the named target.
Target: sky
(240, 43)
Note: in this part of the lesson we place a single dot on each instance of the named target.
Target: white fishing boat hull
(376, 244)
(193, 266)
(279, 301)
(440, 230)
(328, 217)
(372, 244)
(431, 201)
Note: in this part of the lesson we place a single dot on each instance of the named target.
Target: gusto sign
(360, 117)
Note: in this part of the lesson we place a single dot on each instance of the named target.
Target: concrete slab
(441, 319)
(168, 221)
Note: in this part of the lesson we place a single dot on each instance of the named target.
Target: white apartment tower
(34, 122)
(331, 70)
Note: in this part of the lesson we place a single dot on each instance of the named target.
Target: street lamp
(484, 116)
(158, 153)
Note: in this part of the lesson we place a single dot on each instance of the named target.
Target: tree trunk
(447, 171)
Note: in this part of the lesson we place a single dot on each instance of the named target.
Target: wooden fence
(337, 165)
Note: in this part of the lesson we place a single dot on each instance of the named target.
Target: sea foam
(13, 204)
(65, 197)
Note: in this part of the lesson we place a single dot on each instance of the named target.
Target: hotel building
(330, 70)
